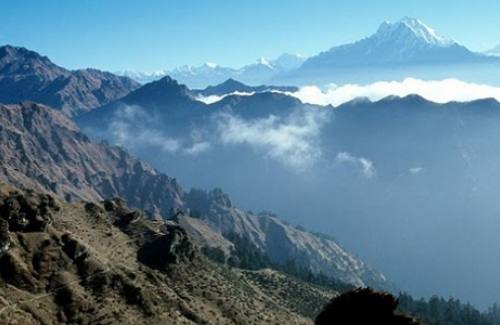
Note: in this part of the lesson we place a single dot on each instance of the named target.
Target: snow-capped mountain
(411, 30)
(142, 77)
(212, 74)
(407, 41)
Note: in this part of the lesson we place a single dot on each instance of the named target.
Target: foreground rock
(363, 306)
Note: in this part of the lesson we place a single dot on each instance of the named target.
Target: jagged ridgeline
(27, 75)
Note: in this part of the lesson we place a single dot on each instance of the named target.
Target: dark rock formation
(363, 306)
(27, 213)
(171, 248)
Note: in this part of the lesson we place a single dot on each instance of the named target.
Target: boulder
(163, 250)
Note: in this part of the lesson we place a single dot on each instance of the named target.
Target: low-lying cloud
(365, 166)
(439, 91)
(215, 98)
(133, 128)
(292, 140)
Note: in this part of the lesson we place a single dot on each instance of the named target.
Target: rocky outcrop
(27, 214)
(26, 75)
(173, 247)
(363, 306)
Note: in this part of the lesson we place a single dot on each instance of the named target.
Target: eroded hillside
(90, 263)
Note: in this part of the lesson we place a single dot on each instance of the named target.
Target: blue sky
(153, 34)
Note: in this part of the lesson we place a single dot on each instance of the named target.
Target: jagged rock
(116, 204)
(4, 236)
(74, 249)
(171, 248)
(28, 212)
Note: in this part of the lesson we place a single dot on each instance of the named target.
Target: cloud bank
(133, 128)
(215, 98)
(292, 140)
(440, 91)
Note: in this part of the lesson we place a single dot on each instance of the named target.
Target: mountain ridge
(211, 74)
(27, 75)
(407, 41)
(76, 168)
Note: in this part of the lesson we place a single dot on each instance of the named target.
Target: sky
(150, 35)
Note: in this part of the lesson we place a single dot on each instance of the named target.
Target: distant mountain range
(406, 48)
(212, 74)
(26, 75)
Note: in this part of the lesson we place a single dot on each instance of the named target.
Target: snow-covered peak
(211, 65)
(411, 29)
(264, 61)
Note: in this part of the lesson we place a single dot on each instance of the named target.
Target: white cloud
(197, 148)
(415, 170)
(439, 91)
(215, 98)
(292, 140)
(366, 166)
(133, 128)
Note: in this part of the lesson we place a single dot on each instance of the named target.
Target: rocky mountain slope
(103, 263)
(26, 75)
(279, 240)
(43, 149)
